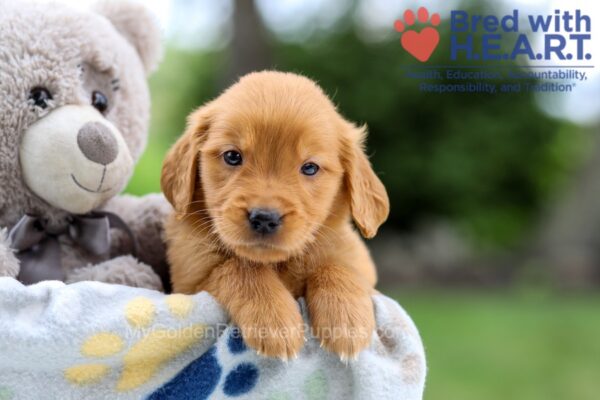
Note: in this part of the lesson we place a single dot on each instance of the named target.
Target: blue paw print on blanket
(200, 378)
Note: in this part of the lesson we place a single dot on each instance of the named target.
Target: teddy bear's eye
(40, 96)
(99, 101)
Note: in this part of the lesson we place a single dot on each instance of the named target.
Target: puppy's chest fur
(294, 274)
(194, 251)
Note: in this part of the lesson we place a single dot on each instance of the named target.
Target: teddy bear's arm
(145, 216)
(123, 270)
(9, 264)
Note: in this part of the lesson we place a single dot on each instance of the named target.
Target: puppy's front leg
(341, 310)
(260, 305)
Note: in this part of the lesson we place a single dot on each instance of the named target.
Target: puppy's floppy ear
(180, 173)
(369, 201)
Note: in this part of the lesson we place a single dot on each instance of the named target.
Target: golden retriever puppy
(265, 182)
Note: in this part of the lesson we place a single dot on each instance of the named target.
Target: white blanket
(97, 341)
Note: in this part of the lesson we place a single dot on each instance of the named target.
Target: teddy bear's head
(74, 104)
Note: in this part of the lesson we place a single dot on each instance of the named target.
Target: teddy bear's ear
(138, 25)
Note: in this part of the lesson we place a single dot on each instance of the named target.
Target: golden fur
(277, 121)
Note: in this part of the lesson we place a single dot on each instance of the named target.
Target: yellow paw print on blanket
(146, 356)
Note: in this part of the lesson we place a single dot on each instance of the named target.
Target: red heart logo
(420, 44)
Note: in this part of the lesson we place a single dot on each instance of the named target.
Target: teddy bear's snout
(74, 148)
(97, 143)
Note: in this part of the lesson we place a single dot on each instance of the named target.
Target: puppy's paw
(344, 324)
(276, 330)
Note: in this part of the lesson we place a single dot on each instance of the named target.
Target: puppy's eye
(99, 101)
(40, 96)
(232, 157)
(309, 169)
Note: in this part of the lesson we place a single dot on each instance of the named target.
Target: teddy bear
(74, 111)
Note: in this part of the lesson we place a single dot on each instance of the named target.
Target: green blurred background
(493, 240)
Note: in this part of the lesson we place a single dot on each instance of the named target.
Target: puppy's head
(274, 165)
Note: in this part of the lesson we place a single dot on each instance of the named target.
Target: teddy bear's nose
(97, 143)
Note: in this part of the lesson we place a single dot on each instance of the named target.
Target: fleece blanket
(97, 341)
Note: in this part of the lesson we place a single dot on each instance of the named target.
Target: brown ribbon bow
(38, 248)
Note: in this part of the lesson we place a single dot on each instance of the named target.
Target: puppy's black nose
(264, 221)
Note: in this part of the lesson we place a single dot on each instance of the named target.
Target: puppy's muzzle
(264, 221)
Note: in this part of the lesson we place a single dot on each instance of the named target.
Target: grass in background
(500, 346)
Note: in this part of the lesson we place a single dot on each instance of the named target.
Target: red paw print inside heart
(419, 44)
